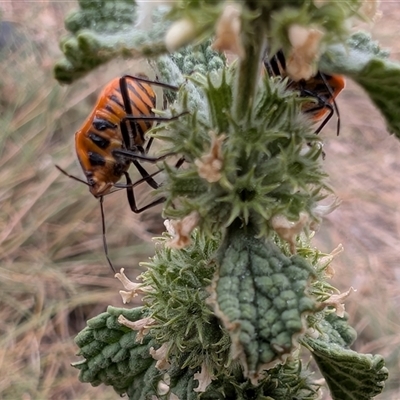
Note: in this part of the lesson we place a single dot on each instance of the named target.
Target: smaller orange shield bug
(321, 88)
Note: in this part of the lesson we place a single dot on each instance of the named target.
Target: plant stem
(249, 67)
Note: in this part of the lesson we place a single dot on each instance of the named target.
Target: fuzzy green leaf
(103, 30)
(113, 357)
(183, 383)
(364, 62)
(349, 375)
(337, 330)
(260, 296)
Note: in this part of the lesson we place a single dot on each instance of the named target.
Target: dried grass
(53, 274)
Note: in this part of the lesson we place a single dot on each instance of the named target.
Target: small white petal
(179, 34)
(204, 377)
(305, 41)
(227, 30)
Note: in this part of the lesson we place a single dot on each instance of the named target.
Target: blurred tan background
(53, 274)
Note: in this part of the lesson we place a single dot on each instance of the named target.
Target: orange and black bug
(323, 88)
(113, 137)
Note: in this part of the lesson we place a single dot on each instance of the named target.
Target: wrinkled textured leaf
(349, 375)
(113, 357)
(260, 296)
(102, 30)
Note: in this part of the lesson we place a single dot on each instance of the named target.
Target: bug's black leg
(134, 152)
(123, 85)
(326, 119)
(322, 103)
(276, 65)
(128, 142)
(103, 223)
(319, 108)
(143, 172)
(150, 181)
(132, 155)
(130, 117)
(131, 197)
(335, 107)
(156, 83)
(125, 185)
(149, 143)
(125, 135)
(180, 162)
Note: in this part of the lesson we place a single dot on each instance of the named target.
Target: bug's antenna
(71, 176)
(103, 224)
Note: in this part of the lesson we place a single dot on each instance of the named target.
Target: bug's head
(98, 186)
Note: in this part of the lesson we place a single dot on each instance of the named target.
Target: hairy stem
(249, 67)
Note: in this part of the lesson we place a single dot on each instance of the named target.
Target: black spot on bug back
(96, 159)
(102, 124)
(98, 140)
(115, 99)
(110, 109)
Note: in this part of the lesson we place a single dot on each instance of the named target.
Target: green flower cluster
(268, 163)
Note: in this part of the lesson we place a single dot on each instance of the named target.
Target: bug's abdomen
(101, 132)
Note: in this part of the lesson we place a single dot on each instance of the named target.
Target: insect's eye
(90, 179)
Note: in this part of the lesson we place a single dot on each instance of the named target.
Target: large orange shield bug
(114, 136)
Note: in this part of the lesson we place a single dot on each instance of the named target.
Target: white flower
(227, 30)
(133, 289)
(169, 226)
(336, 301)
(204, 377)
(323, 262)
(302, 60)
(209, 166)
(321, 210)
(142, 326)
(161, 356)
(288, 230)
(183, 228)
(180, 33)
(370, 10)
(163, 385)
